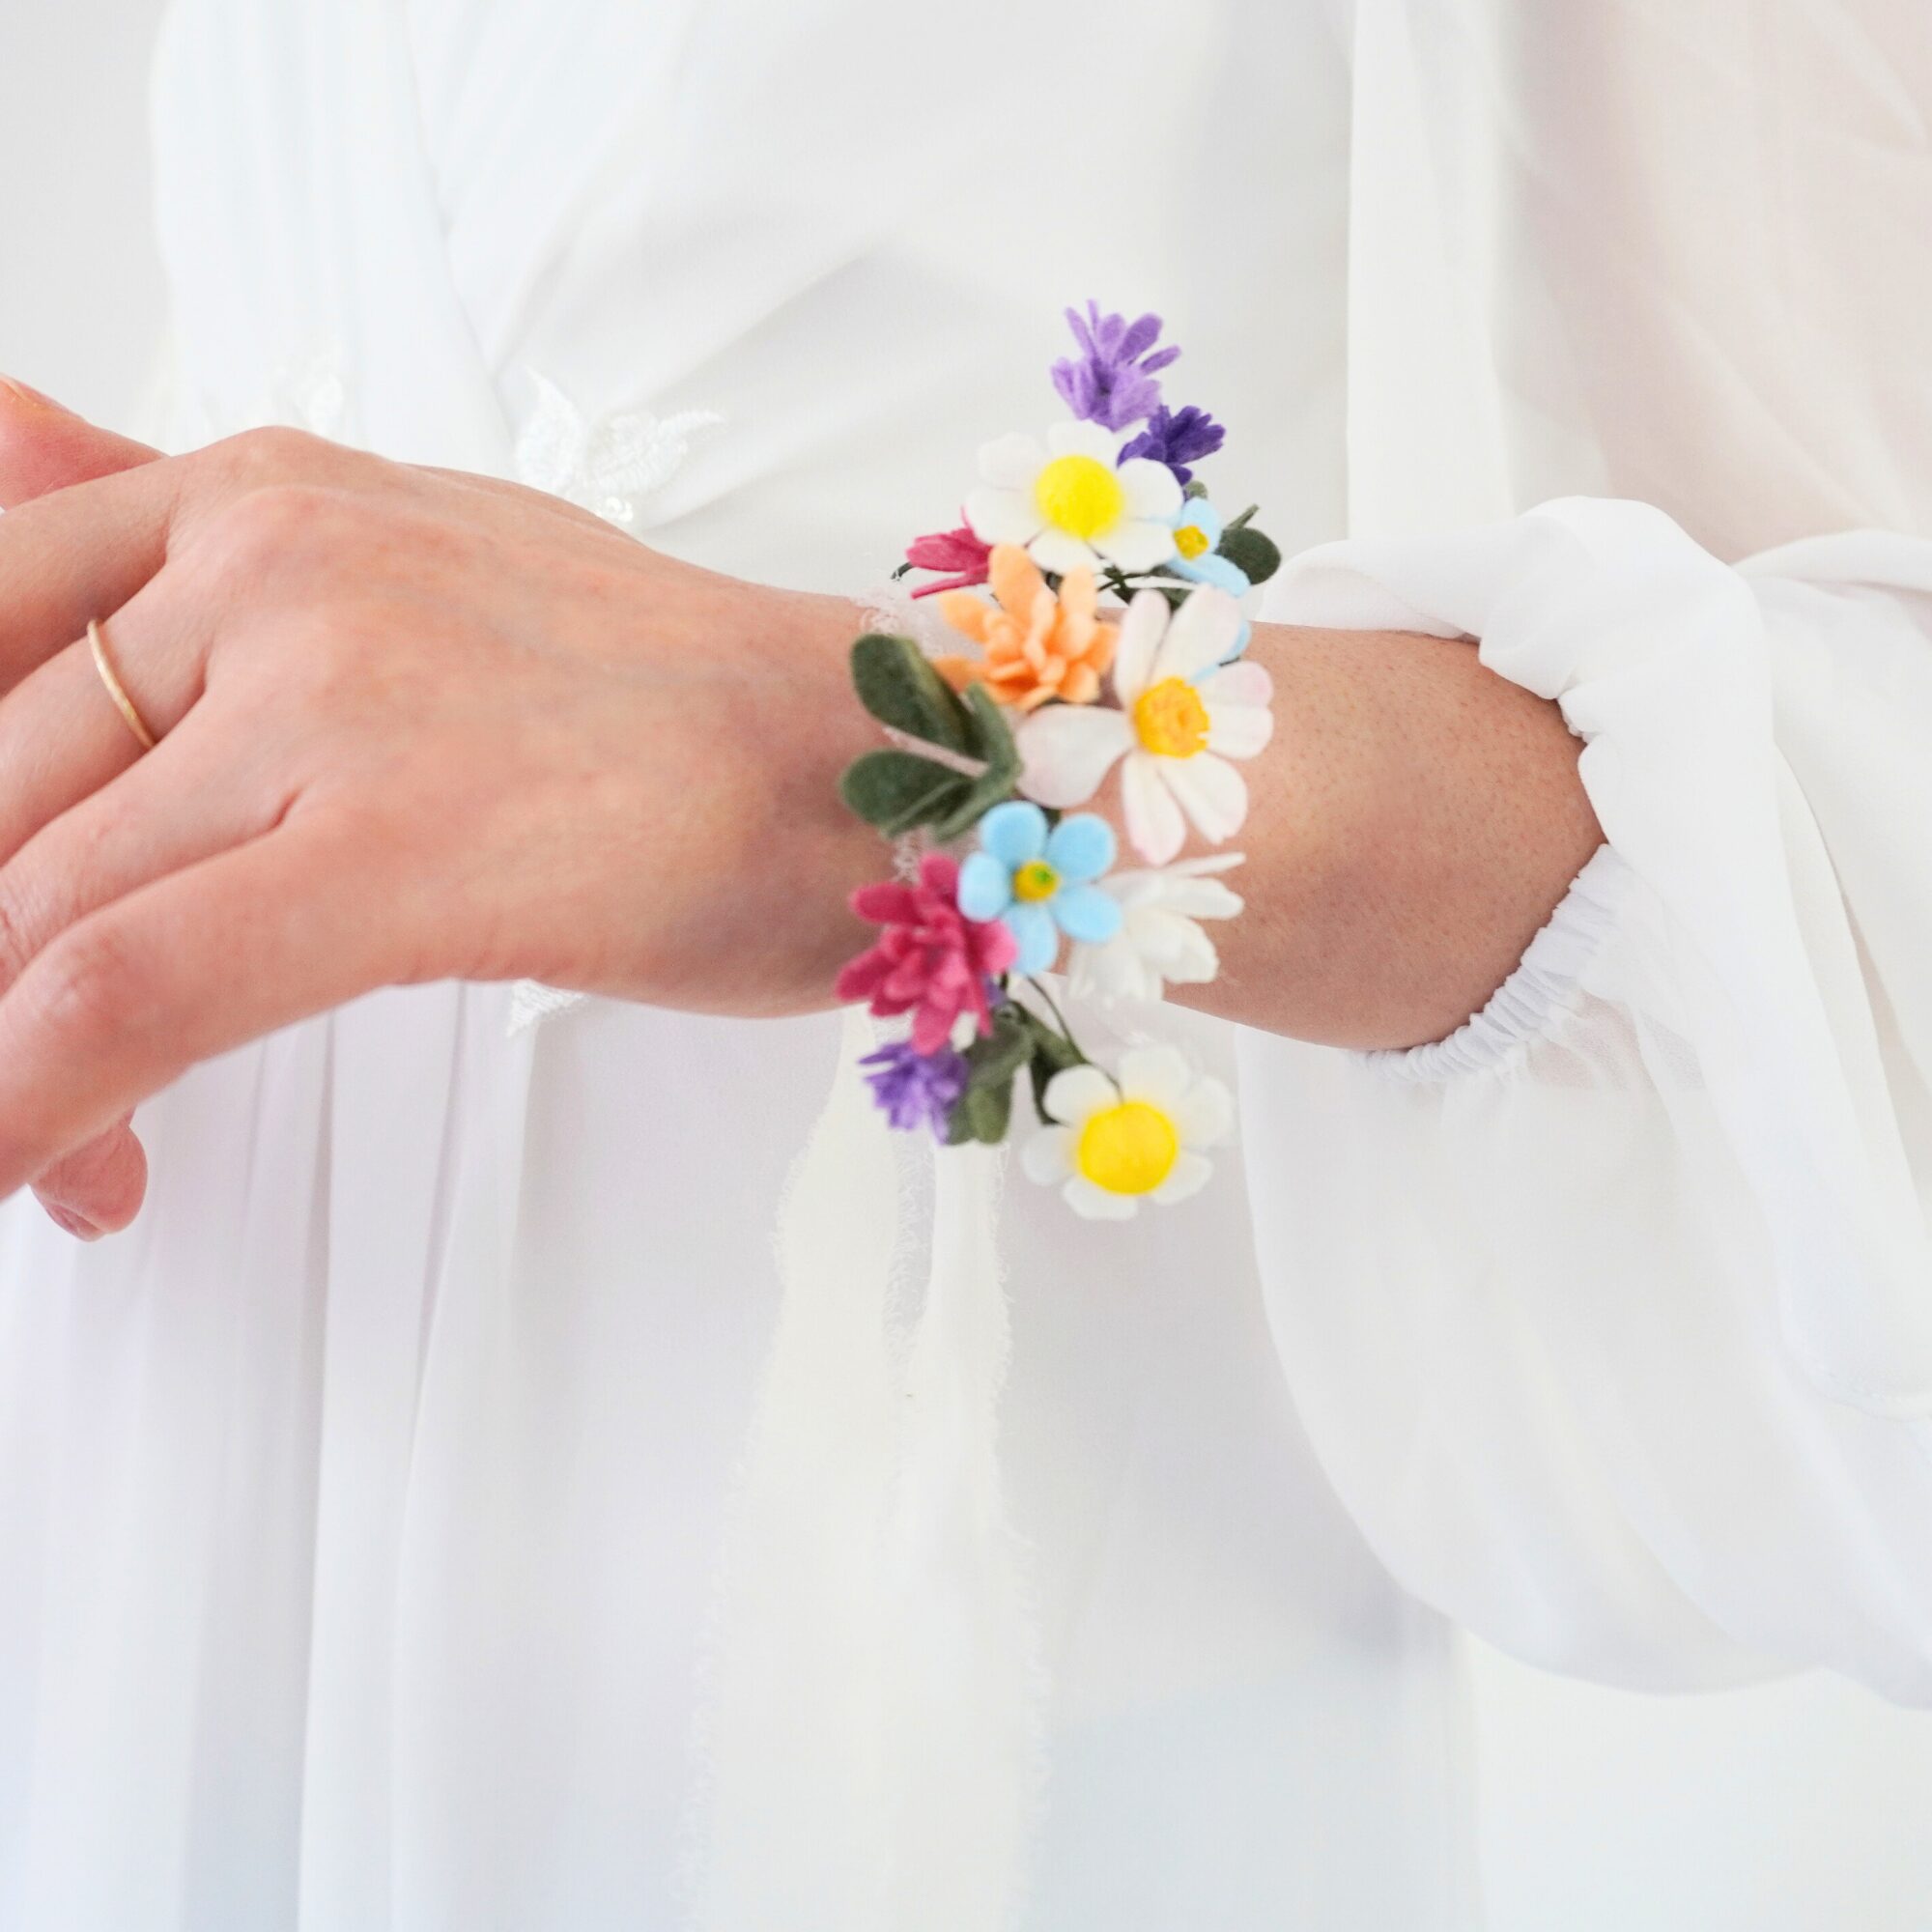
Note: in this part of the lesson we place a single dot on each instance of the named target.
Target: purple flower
(1177, 438)
(1112, 380)
(916, 1089)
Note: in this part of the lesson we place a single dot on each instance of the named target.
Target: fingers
(43, 447)
(189, 967)
(61, 737)
(97, 1189)
(202, 791)
(80, 552)
(195, 795)
(89, 822)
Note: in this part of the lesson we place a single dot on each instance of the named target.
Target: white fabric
(361, 1510)
(1625, 1348)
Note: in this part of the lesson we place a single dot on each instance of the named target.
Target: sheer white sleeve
(1610, 1315)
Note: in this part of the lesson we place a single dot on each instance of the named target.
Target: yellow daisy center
(1170, 718)
(1127, 1149)
(1080, 495)
(1190, 540)
(1035, 881)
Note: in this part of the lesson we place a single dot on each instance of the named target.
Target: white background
(1803, 1807)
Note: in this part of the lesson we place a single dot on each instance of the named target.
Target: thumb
(44, 447)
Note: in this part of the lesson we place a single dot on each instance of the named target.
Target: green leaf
(990, 739)
(1255, 555)
(985, 1110)
(980, 796)
(981, 1114)
(988, 735)
(1052, 1053)
(899, 688)
(897, 790)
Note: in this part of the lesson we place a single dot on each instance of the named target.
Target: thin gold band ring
(116, 690)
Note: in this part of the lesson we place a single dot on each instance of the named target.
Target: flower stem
(1066, 1030)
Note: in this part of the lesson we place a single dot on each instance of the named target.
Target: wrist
(1416, 822)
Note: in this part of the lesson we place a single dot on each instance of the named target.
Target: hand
(413, 725)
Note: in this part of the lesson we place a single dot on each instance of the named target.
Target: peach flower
(1037, 646)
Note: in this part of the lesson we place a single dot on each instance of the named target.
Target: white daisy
(1134, 1135)
(1073, 504)
(1160, 940)
(1179, 721)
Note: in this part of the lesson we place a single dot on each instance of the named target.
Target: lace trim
(1543, 985)
(607, 465)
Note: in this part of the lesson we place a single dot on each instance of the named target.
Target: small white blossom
(1074, 503)
(1160, 942)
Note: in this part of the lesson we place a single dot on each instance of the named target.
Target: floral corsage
(1104, 594)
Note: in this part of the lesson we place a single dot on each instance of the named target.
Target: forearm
(1413, 822)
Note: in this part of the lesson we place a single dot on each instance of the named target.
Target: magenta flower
(1112, 380)
(1177, 438)
(957, 551)
(932, 960)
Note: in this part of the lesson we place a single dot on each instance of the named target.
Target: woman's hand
(412, 725)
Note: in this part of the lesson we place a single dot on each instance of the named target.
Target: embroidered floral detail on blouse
(605, 466)
(307, 390)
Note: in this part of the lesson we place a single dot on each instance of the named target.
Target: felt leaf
(897, 790)
(981, 794)
(988, 735)
(981, 1114)
(899, 688)
(990, 739)
(1052, 1053)
(985, 1110)
(1255, 555)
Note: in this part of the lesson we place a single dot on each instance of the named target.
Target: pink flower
(932, 960)
(959, 551)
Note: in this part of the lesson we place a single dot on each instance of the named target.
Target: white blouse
(448, 1508)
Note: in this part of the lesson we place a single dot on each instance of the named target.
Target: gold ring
(116, 690)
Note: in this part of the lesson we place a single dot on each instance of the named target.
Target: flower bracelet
(998, 748)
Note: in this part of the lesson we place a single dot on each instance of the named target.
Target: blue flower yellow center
(1171, 720)
(1190, 540)
(1035, 881)
(1127, 1149)
(1080, 495)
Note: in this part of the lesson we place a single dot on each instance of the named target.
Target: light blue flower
(1206, 565)
(1040, 883)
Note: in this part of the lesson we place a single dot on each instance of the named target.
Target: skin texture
(417, 726)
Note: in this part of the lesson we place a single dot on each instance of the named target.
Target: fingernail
(72, 1224)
